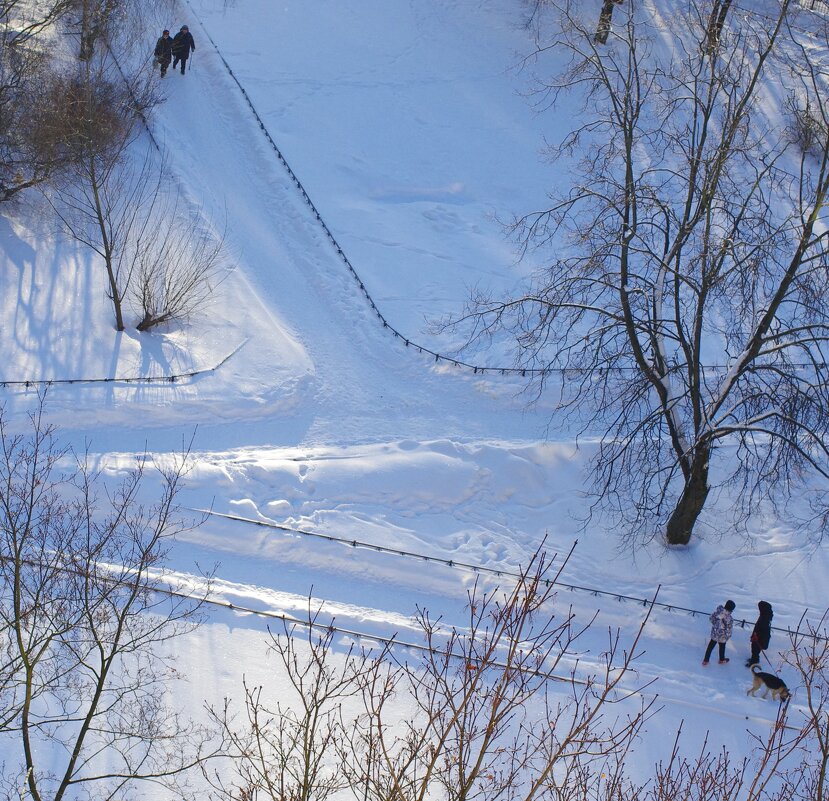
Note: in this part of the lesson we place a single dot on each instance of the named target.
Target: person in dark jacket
(762, 633)
(164, 51)
(183, 45)
(721, 627)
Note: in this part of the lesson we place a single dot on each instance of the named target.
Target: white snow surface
(411, 129)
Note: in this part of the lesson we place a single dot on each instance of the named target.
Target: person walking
(722, 624)
(761, 634)
(164, 51)
(183, 45)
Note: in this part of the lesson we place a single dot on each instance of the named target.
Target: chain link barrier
(497, 572)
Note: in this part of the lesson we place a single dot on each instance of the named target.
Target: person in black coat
(762, 633)
(183, 44)
(164, 51)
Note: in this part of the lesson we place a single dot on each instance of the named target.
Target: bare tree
(120, 202)
(96, 17)
(682, 306)
(294, 750)
(45, 111)
(109, 22)
(159, 257)
(493, 716)
(85, 621)
(107, 194)
(112, 23)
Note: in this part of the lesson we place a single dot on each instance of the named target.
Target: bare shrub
(83, 116)
(177, 264)
(487, 711)
(788, 762)
(808, 127)
(808, 739)
(24, 71)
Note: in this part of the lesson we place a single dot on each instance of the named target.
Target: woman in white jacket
(721, 628)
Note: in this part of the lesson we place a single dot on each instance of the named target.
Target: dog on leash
(770, 683)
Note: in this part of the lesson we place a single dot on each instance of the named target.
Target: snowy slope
(407, 126)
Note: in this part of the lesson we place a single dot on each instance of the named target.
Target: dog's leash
(769, 661)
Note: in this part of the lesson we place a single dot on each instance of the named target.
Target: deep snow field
(412, 129)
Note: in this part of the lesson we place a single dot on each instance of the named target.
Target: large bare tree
(103, 24)
(85, 623)
(683, 308)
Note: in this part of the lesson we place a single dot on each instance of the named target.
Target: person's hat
(730, 606)
(165, 31)
(185, 28)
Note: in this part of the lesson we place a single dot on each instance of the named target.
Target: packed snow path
(346, 368)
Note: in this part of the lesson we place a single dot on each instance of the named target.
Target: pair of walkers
(177, 49)
(722, 625)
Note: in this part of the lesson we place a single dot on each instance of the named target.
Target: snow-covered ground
(409, 126)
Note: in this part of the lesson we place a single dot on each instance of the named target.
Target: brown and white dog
(770, 683)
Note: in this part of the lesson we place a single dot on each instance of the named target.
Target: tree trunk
(690, 503)
(715, 25)
(87, 45)
(605, 18)
(603, 28)
(102, 217)
(115, 294)
(87, 33)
